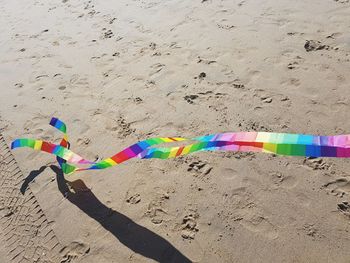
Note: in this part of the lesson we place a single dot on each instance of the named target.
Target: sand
(120, 71)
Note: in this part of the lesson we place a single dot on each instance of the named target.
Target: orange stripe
(64, 143)
(179, 151)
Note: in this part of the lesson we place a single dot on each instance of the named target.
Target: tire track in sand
(25, 232)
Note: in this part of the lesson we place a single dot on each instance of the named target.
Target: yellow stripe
(173, 152)
(186, 149)
(269, 148)
(68, 155)
(110, 161)
(37, 145)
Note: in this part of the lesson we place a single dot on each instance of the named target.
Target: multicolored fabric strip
(277, 143)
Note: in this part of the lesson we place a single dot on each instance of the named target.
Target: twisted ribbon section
(276, 143)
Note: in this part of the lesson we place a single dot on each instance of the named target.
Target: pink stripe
(129, 152)
(226, 137)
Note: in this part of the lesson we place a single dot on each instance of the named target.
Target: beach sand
(121, 71)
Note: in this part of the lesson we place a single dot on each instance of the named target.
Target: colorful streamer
(276, 143)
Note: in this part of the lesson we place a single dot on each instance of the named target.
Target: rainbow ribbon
(276, 143)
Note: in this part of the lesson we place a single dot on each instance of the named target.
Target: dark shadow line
(136, 237)
(32, 175)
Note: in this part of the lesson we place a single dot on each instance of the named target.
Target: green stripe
(59, 152)
(291, 149)
(157, 154)
(298, 150)
(283, 149)
(28, 142)
(197, 146)
(154, 141)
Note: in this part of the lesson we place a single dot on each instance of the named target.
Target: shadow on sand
(136, 237)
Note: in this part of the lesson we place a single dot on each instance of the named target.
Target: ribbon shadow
(136, 237)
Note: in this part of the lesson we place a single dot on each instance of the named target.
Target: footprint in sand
(342, 1)
(156, 210)
(83, 141)
(339, 187)
(190, 98)
(74, 78)
(62, 87)
(126, 130)
(295, 64)
(116, 54)
(228, 173)
(266, 99)
(156, 68)
(251, 125)
(316, 163)
(74, 251)
(199, 168)
(239, 206)
(280, 180)
(201, 76)
(189, 225)
(133, 199)
(344, 208)
(207, 94)
(291, 82)
(41, 77)
(35, 124)
(136, 100)
(312, 231)
(111, 21)
(236, 84)
(239, 155)
(121, 126)
(225, 26)
(334, 35)
(205, 61)
(312, 45)
(259, 224)
(19, 85)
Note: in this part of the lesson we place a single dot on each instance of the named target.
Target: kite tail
(268, 142)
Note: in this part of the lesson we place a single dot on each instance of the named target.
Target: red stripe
(120, 157)
(47, 147)
(179, 151)
(254, 144)
(64, 143)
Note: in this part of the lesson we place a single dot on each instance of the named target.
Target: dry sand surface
(120, 71)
